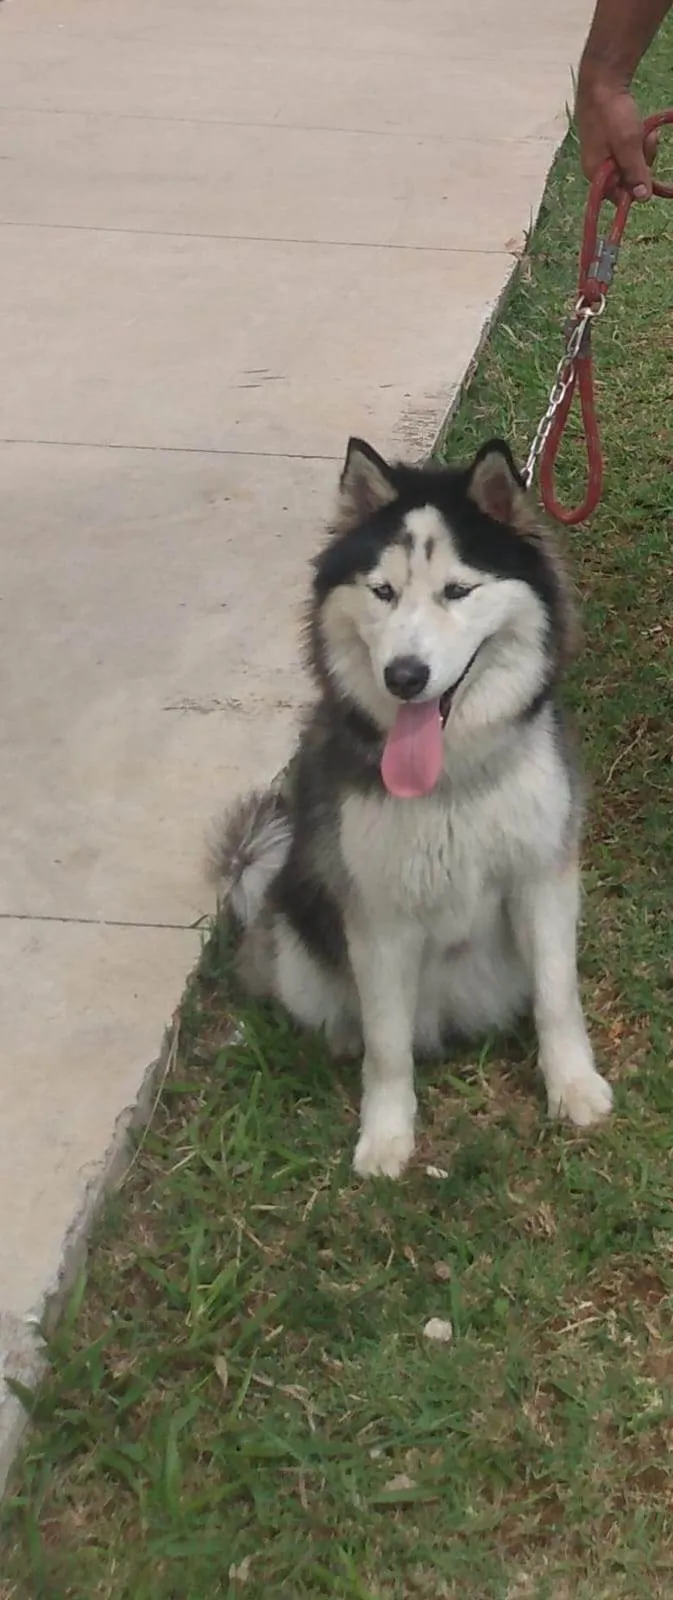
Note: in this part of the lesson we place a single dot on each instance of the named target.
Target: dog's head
(438, 602)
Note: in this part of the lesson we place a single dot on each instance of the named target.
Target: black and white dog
(420, 876)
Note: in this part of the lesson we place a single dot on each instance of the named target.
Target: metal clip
(577, 335)
(602, 268)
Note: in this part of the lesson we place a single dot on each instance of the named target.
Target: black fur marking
(362, 730)
(311, 911)
(481, 542)
(338, 747)
(359, 447)
(499, 447)
(349, 747)
(538, 703)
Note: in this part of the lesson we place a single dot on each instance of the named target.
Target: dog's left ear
(366, 485)
(497, 487)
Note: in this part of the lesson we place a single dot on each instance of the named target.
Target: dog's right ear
(366, 485)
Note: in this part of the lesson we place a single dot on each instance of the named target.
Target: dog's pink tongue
(412, 756)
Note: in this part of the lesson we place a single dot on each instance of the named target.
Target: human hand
(609, 124)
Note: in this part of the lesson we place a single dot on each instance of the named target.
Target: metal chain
(563, 379)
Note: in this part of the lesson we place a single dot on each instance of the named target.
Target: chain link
(564, 377)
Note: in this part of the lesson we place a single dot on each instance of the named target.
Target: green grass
(242, 1400)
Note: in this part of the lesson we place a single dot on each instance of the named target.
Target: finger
(593, 153)
(651, 147)
(632, 162)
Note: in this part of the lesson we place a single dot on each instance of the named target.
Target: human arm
(608, 119)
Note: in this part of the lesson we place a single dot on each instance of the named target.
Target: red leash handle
(598, 258)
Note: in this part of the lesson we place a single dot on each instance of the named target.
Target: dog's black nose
(406, 676)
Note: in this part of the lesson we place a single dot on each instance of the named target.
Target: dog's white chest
(449, 864)
(407, 857)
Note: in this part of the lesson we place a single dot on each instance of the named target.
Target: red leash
(598, 259)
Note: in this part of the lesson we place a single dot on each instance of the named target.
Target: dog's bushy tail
(245, 849)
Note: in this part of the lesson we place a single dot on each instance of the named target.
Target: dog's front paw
(386, 1139)
(383, 1155)
(583, 1100)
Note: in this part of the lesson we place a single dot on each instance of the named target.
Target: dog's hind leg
(386, 965)
(545, 914)
(314, 996)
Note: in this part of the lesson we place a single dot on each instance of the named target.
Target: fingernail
(640, 192)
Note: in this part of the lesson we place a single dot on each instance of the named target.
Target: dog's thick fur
(393, 922)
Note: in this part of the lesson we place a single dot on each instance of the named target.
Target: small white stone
(240, 1573)
(222, 1371)
(439, 1330)
(436, 1172)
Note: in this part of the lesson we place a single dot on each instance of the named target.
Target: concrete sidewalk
(232, 234)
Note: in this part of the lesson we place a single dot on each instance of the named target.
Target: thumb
(629, 153)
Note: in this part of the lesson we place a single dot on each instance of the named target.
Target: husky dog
(418, 876)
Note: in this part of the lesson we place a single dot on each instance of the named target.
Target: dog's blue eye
(384, 592)
(456, 591)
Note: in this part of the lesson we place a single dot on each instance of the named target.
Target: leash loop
(574, 373)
